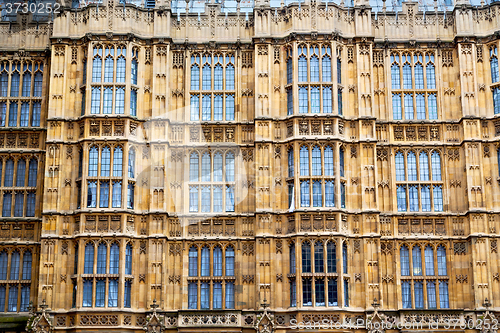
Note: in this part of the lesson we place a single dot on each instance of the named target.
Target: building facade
(250, 171)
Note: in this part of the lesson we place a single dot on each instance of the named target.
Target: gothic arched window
(93, 161)
(88, 267)
(229, 261)
(318, 257)
(205, 261)
(306, 257)
(417, 260)
(217, 261)
(441, 260)
(21, 172)
(331, 257)
(102, 257)
(131, 163)
(229, 167)
(429, 260)
(404, 257)
(15, 258)
(27, 262)
(128, 259)
(193, 261)
(118, 162)
(304, 161)
(316, 161)
(114, 259)
(105, 161)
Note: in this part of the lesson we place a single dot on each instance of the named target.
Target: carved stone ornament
(265, 323)
(39, 322)
(154, 323)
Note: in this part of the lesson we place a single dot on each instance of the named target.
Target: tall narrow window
(88, 267)
(304, 161)
(130, 196)
(306, 292)
(395, 72)
(291, 162)
(112, 293)
(4, 85)
(326, 65)
(438, 198)
(289, 102)
(3, 266)
(289, 70)
(341, 162)
(37, 88)
(108, 68)
(118, 162)
(87, 293)
(419, 72)
(102, 257)
(116, 200)
(229, 295)
(25, 298)
(342, 194)
(13, 292)
(133, 102)
(217, 295)
(404, 257)
(206, 107)
(25, 115)
(417, 260)
(332, 292)
(319, 291)
(401, 198)
(293, 293)
(19, 205)
(207, 77)
(193, 261)
(104, 195)
(229, 167)
(400, 167)
(305, 200)
(229, 261)
(317, 194)
(193, 167)
(314, 65)
(114, 259)
(443, 295)
(291, 258)
(205, 261)
(431, 295)
(339, 100)
(27, 261)
(131, 163)
(30, 205)
(432, 106)
(496, 100)
(218, 77)
(195, 75)
(344, 258)
(303, 100)
(229, 107)
(230, 77)
(430, 72)
(96, 68)
(205, 296)
(229, 198)
(7, 204)
(13, 114)
(318, 258)
(327, 100)
(127, 294)
(494, 64)
(429, 260)
(192, 295)
(306, 257)
(315, 104)
(15, 258)
(95, 101)
(316, 161)
(134, 71)
(396, 107)
(120, 69)
(217, 261)
(419, 294)
(107, 107)
(92, 194)
(436, 166)
(21, 172)
(14, 84)
(441, 261)
(3, 114)
(407, 77)
(346, 293)
(302, 65)
(406, 294)
(193, 198)
(331, 257)
(409, 112)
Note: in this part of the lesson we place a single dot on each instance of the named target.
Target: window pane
(205, 296)
(21, 172)
(395, 76)
(406, 293)
(431, 76)
(327, 100)
(431, 295)
(205, 261)
(14, 266)
(332, 292)
(7, 204)
(304, 161)
(407, 77)
(419, 76)
(193, 198)
(317, 194)
(436, 166)
(134, 70)
(229, 167)
(443, 295)
(133, 102)
(413, 198)
(87, 293)
(217, 295)
(425, 194)
(96, 69)
(319, 291)
(88, 267)
(217, 199)
(292, 259)
(114, 259)
(217, 261)
(102, 257)
(409, 112)
(229, 198)
(218, 77)
(207, 77)
(95, 102)
(118, 162)
(120, 70)
(417, 261)
(113, 293)
(100, 293)
(229, 107)
(318, 258)
(195, 77)
(14, 84)
(316, 161)
(302, 69)
(192, 295)
(27, 261)
(304, 194)
(19, 205)
(306, 257)
(315, 107)
(420, 106)
(306, 292)
(401, 198)
(108, 69)
(429, 261)
(441, 260)
(419, 295)
(326, 70)
(438, 198)
(3, 113)
(37, 89)
(3, 266)
(13, 114)
(303, 100)
(12, 306)
(206, 108)
(230, 77)
(396, 107)
(229, 295)
(404, 258)
(432, 105)
(117, 195)
(229, 261)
